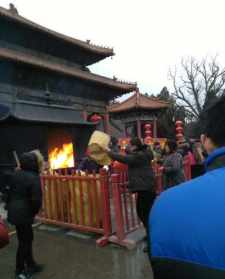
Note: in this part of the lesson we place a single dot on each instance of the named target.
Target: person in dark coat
(88, 165)
(199, 154)
(23, 203)
(173, 165)
(187, 226)
(114, 145)
(140, 176)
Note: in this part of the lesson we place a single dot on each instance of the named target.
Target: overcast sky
(148, 36)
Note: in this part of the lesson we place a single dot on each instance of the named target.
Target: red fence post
(104, 182)
(124, 211)
(120, 231)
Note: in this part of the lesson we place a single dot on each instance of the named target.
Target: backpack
(4, 234)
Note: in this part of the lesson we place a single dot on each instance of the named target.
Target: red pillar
(139, 129)
(106, 124)
(155, 127)
(85, 115)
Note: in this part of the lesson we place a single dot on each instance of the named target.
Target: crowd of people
(184, 225)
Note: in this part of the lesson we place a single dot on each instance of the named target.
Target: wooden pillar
(155, 127)
(85, 115)
(139, 129)
(125, 129)
(107, 124)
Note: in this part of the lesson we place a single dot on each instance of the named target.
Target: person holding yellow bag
(140, 176)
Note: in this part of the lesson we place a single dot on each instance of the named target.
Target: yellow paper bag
(99, 141)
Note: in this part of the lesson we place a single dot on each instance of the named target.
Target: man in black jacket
(140, 176)
(23, 203)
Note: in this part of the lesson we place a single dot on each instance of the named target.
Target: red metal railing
(124, 204)
(126, 218)
(78, 202)
(83, 203)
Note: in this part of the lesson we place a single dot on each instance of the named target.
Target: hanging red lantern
(148, 133)
(95, 118)
(179, 136)
(179, 130)
(147, 126)
(179, 123)
(148, 140)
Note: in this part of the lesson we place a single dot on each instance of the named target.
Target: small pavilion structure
(138, 114)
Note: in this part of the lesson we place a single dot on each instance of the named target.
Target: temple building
(48, 97)
(137, 116)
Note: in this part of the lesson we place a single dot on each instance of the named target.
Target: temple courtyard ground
(76, 257)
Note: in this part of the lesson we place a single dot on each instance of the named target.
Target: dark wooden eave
(19, 57)
(102, 52)
(42, 113)
(138, 101)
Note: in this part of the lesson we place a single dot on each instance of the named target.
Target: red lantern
(179, 130)
(95, 118)
(179, 123)
(147, 126)
(148, 140)
(148, 133)
(180, 136)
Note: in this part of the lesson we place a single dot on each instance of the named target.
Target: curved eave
(19, 57)
(115, 110)
(101, 51)
(138, 101)
(42, 114)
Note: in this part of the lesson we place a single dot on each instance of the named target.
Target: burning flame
(60, 158)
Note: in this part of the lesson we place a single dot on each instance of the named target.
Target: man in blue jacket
(187, 222)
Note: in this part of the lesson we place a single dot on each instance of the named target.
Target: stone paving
(69, 257)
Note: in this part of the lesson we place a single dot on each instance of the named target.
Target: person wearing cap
(140, 176)
(23, 203)
(187, 227)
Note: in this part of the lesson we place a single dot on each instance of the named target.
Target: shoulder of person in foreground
(190, 191)
(172, 197)
(187, 228)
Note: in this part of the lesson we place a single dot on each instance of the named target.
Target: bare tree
(197, 84)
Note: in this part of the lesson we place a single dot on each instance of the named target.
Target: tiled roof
(32, 60)
(138, 100)
(104, 51)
